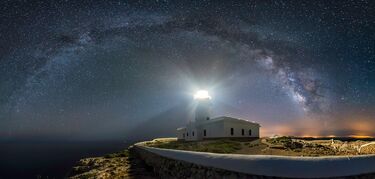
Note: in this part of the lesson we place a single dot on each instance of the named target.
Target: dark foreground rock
(125, 164)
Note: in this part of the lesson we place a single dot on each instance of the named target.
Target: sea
(49, 159)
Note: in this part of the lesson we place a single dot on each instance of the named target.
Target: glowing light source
(202, 94)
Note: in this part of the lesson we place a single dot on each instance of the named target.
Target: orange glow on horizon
(361, 136)
(332, 136)
(328, 128)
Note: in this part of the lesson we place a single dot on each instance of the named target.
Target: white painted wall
(218, 129)
(180, 133)
(203, 110)
(237, 129)
(213, 130)
(190, 129)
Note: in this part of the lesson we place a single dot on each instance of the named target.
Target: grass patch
(214, 146)
(124, 153)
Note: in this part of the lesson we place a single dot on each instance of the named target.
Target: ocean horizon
(50, 159)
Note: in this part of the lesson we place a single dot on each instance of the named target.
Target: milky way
(112, 69)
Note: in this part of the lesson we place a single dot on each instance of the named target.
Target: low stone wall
(170, 168)
(166, 167)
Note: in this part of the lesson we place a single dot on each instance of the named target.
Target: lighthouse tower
(204, 127)
(203, 110)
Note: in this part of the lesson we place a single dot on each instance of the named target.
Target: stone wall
(171, 168)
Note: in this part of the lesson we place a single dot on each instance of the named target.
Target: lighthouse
(203, 109)
(206, 127)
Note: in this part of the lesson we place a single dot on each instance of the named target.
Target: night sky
(100, 70)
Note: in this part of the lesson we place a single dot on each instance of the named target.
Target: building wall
(218, 129)
(237, 129)
(190, 129)
(181, 134)
(203, 110)
(213, 130)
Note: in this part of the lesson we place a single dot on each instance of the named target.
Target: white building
(205, 127)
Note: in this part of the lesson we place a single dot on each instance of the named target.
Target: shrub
(124, 153)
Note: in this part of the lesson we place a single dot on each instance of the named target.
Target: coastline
(153, 162)
(49, 159)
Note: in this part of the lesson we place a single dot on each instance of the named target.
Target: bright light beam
(202, 94)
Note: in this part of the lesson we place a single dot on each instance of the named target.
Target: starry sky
(103, 70)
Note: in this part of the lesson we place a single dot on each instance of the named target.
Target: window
(183, 135)
(204, 132)
(231, 131)
(207, 118)
(243, 131)
(249, 132)
(187, 134)
(193, 133)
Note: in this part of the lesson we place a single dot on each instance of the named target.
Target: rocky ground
(287, 146)
(124, 164)
(321, 147)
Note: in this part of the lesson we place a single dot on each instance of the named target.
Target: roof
(226, 118)
(181, 128)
